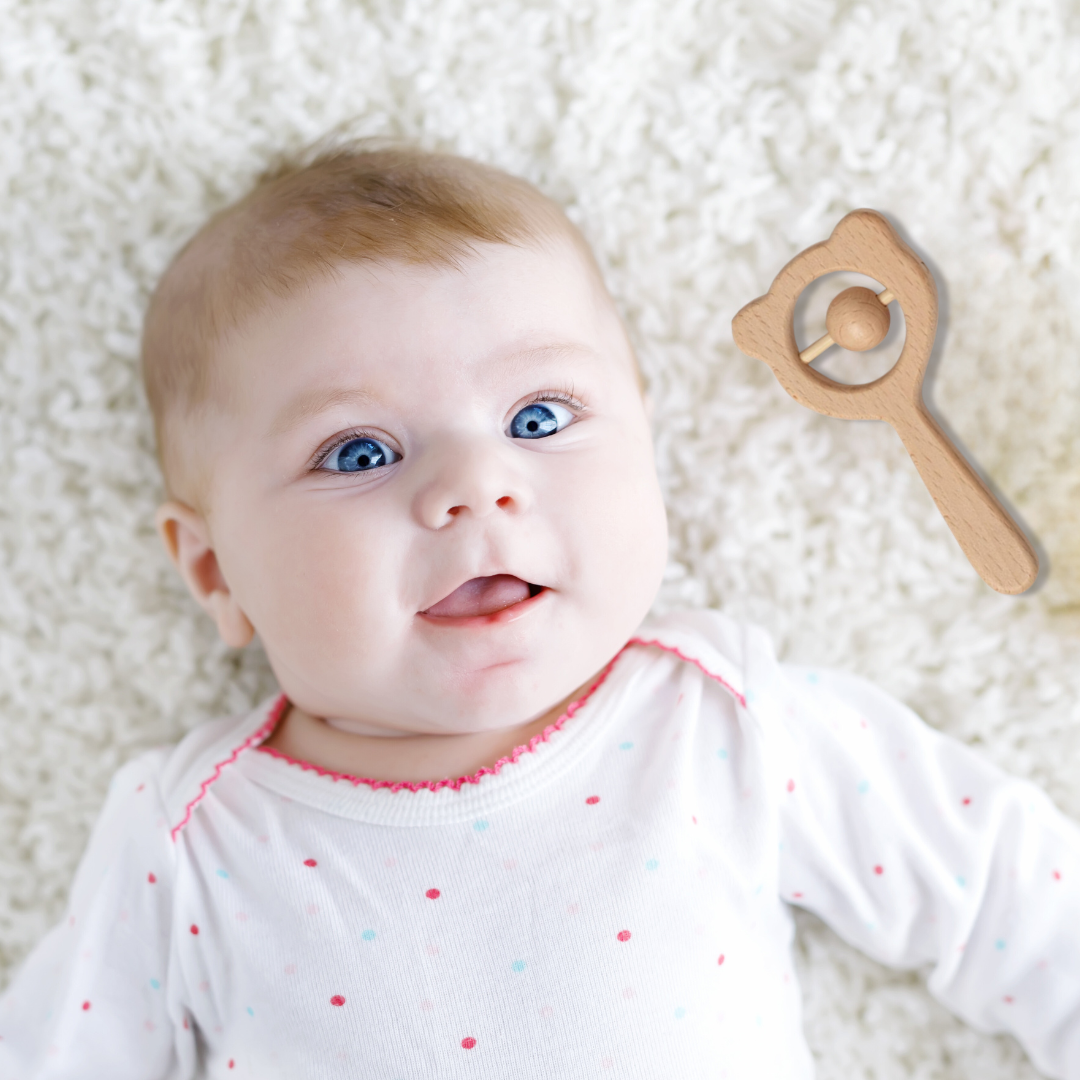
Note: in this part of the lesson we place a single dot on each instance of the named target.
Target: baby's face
(386, 509)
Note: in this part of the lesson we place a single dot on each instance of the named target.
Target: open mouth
(484, 596)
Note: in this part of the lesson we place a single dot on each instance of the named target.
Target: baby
(492, 826)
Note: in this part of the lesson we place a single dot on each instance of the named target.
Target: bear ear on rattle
(858, 319)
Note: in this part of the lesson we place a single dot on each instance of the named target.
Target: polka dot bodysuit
(612, 900)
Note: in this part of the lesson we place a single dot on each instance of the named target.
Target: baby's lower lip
(494, 600)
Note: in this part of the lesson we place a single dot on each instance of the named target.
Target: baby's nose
(470, 479)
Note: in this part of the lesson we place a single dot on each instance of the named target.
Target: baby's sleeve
(920, 853)
(96, 998)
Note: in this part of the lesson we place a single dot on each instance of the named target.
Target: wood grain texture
(866, 243)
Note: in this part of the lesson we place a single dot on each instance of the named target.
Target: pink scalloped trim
(692, 660)
(279, 706)
(263, 732)
(456, 785)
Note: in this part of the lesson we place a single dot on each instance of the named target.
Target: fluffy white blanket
(700, 143)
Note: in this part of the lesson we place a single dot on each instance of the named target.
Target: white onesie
(610, 901)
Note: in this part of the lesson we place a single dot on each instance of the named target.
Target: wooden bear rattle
(858, 319)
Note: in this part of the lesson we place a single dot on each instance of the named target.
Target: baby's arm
(919, 852)
(97, 997)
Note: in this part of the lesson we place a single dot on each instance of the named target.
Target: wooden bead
(857, 320)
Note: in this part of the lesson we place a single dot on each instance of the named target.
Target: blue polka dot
(960, 881)
(368, 935)
(155, 984)
(680, 1012)
(518, 965)
(480, 826)
(626, 746)
(999, 944)
(250, 1011)
(722, 755)
(652, 864)
(864, 787)
(750, 695)
(223, 873)
(812, 677)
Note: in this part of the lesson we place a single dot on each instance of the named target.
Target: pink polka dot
(149, 1025)
(313, 909)
(241, 916)
(310, 862)
(623, 935)
(720, 961)
(433, 894)
(628, 992)
(1057, 875)
(879, 869)
(337, 999)
(510, 864)
(468, 1042)
(796, 895)
(140, 787)
(1007, 999)
(427, 1005)
(187, 1026)
(572, 909)
(546, 1011)
(86, 1006)
(290, 969)
(151, 878)
(791, 785)
(965, 801)
(232, 1064)
(693, 819)
(391, 862)
(592, 800)
(194, 929)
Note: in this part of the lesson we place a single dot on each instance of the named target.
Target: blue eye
(359, 455)
(538, 420)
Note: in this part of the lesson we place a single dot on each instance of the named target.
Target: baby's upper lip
(482, 596)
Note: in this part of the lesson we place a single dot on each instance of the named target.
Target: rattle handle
(992, 541)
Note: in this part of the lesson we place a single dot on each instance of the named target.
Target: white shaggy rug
(700, 143)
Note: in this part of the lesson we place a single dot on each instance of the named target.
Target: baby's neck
(403, 756)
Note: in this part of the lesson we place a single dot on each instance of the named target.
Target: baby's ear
(187, 540)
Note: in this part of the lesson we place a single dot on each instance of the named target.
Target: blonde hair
(352, 204)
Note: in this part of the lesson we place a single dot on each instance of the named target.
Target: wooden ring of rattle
(866, 243)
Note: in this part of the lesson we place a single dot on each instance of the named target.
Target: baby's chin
(473, 676)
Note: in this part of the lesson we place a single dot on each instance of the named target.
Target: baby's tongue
(481, 596)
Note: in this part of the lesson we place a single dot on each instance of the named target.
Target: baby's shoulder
(181, 775)
(725, 648)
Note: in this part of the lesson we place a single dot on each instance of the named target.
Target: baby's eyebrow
(556, 351)
(315, 401)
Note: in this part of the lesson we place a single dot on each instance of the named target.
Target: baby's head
(404, 441)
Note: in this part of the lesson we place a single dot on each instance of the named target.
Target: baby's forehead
(502, 309)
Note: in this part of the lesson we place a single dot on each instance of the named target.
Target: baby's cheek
(619, 521)
(319, 586)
